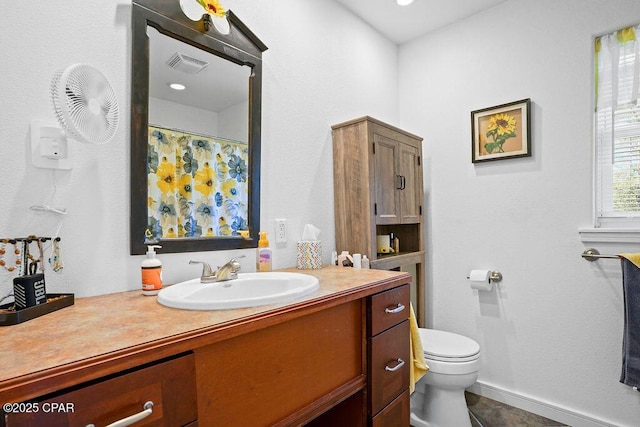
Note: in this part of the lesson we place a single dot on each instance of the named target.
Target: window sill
(610, 235)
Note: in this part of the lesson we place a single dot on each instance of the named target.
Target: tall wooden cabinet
(378, 190)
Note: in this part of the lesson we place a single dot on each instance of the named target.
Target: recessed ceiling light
(177, 86)
(404, 2)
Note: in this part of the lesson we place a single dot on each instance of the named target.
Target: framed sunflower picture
(501, 132)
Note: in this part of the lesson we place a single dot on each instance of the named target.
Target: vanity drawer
(389, 360)
(170, 385)
(396, 413)
(388, 308)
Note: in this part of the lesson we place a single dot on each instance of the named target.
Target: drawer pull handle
(147, 410)
(398, 309)
(399, 365)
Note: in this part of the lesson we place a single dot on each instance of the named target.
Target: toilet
(453, 360)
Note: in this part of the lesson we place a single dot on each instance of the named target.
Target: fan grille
(85, 104)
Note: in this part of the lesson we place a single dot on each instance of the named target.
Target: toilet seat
(448, 347)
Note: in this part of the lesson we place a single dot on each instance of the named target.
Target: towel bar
(592, 254)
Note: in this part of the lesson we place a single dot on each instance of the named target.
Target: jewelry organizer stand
(8, 315)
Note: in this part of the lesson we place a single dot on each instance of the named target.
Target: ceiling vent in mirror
(185, 63)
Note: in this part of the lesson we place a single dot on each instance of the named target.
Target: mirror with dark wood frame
(195, 156)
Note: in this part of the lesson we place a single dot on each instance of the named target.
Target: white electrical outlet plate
(281, 231)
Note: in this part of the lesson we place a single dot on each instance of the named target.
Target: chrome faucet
(229, 271)
(207, 273)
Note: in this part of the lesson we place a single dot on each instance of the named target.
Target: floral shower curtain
(197, 185)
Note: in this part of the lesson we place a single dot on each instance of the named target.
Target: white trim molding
(610, 235)
(537, 407)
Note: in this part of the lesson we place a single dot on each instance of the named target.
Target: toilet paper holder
(495, 276)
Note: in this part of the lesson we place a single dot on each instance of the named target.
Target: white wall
(172, 115)
(233, 123)
(553, 330)
(230, 123)
(323, 66)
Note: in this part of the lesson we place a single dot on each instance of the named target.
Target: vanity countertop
(101, 335)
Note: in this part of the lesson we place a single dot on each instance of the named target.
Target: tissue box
(309, 255)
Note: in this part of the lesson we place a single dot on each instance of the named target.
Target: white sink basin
(248, 290)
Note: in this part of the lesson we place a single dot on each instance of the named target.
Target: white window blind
(617, 128)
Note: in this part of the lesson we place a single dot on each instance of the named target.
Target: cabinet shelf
(391, 261)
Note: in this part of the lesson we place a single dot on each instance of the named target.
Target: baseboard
(544, 409)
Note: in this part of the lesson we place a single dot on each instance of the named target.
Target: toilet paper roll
(480, 279)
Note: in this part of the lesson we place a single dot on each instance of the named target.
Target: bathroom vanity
(338, 357)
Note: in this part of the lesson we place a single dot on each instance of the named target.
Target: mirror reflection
(198, 154)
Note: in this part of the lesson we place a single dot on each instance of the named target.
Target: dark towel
(631, 335)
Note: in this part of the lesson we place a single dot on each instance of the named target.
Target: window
(617, 129)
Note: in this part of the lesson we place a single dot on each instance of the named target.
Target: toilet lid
(443, 345)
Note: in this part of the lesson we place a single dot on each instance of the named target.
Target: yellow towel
(634, 258)
(418, 366)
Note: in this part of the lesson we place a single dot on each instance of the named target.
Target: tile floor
(485, 412)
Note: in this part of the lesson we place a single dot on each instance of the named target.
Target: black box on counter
(29, 291)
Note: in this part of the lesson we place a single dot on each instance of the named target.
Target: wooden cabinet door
(398, 182)
(284, 373)
(387, 180)
(410, 171)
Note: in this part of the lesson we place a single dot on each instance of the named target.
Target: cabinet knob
(395, 310)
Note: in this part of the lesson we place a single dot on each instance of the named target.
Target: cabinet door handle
(398, 309)
(398, 182)
(147, 410)
(404, 182)
(399, 365)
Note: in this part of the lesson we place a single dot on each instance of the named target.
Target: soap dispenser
(151, 272)
(263, 256)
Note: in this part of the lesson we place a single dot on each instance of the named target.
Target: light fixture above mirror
(217, 15)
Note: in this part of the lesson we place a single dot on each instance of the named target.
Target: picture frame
(501, 132)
